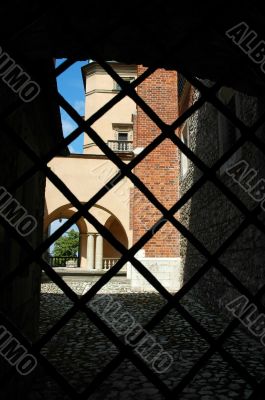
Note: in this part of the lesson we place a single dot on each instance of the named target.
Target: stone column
(90, 251)
(83, 250)
(99, 252)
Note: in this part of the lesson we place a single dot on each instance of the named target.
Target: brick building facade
(159, 172)
(126, 129)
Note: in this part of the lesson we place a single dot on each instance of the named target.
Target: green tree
(67, 245)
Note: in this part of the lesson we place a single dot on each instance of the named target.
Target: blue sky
(70, 85)
(56, 225)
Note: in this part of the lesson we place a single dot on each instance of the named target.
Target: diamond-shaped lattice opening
(155, 91)
(83, 177)
(182, 344)
(127, 382)
(71, 85)
(216, 319)
(68, 126)
(44, 384)
(243, 175)
(54, 303)
(145, 213)
(247, 349)
(252, 263)
(230, 98)
(209, 135)
(217, 380)
(207, 207)
(119, 298)
(164, 183)
(79, 367)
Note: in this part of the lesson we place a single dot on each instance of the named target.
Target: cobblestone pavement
(80, 350)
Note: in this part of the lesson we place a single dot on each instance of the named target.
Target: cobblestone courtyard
(80, 351)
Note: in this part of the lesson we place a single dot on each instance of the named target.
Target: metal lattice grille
(126, 170)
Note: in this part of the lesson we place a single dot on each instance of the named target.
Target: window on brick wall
(228, 134)
(184, 161)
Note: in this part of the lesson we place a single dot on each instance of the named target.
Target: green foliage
(67, 245)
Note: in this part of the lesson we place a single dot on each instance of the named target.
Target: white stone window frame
(225, 95)
(116, 86)
(123, 133)
(184, 160)
(123, 128)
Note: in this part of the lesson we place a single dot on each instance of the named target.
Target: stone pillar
(90, 251)
(83, 250)
(99, 252)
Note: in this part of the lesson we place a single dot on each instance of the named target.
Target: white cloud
(56, 224)
(71, 148)
(79, 106)
(68, 126)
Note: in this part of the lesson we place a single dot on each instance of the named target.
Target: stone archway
(65, 212)
(94, 249)
(110, 254)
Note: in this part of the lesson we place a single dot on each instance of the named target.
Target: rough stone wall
(158, 170)
(212, 218)
(19, 300)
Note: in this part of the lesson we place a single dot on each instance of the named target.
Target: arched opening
(65, 251)
(75, 255)
(95, 252)
(110, 254)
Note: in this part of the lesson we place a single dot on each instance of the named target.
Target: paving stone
(234, 386)
(81, 350)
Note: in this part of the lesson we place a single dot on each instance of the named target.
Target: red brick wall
(158, 171)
